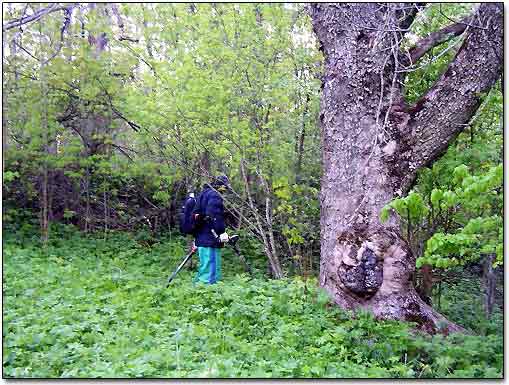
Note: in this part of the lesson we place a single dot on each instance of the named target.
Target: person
(211, 233)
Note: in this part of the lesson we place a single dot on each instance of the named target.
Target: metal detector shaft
(182, 264)
(233, 243)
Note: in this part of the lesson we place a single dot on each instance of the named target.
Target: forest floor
(86, 306)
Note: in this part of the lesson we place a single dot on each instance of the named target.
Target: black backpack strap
(201, 204)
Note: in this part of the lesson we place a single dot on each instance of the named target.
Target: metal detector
(232, 241)
(182, 264)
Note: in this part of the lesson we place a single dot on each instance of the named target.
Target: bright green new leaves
(9, 176)
(479, 236)
(297, 211)
(225, 91)
(465, 205)
(410, 208)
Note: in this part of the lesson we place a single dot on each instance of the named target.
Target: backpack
(187, 223)
(198, 213)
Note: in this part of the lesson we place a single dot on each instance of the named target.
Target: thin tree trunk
(147, 34)
(426, 286)
(87, 202)
(45, 128)
(489, 285)
(105, 200)
(273, 264)
(300, 147)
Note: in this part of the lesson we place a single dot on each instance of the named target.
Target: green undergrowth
(95, 307)
(462, 303)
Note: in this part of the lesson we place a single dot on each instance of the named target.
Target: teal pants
(209, 270)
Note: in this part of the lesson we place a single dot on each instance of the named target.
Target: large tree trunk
(373, 144)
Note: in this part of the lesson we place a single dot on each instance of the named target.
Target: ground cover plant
(86, 306)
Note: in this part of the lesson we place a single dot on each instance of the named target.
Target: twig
(458, 22)
(67, 20)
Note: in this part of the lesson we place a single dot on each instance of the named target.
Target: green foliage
(181, 91)
(9, 176)
(297, 209)
(89, 307)
(479, 236)
(468, 196)
(411, 207)
(460, 302)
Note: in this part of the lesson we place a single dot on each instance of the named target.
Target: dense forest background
(112, 113)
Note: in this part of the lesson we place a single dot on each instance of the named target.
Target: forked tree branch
(444, 111)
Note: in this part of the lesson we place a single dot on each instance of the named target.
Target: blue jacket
(211, 205)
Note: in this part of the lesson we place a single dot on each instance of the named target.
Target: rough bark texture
(373, 144)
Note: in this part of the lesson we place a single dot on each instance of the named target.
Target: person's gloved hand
(224, 238)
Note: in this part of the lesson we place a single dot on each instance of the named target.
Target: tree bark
(426, 285)
(373, 144)
(489, 285)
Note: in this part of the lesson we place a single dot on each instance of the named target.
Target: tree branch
(122, 150)
(67, 20)
(436, 38)
(127, 38)
(131, 124)
(26, 51)
(444, 111)
(36, 16)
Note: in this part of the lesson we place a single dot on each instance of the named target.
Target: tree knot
(361, 270)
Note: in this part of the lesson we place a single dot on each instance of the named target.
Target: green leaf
(385, 213)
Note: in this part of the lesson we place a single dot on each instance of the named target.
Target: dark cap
(221, 180)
